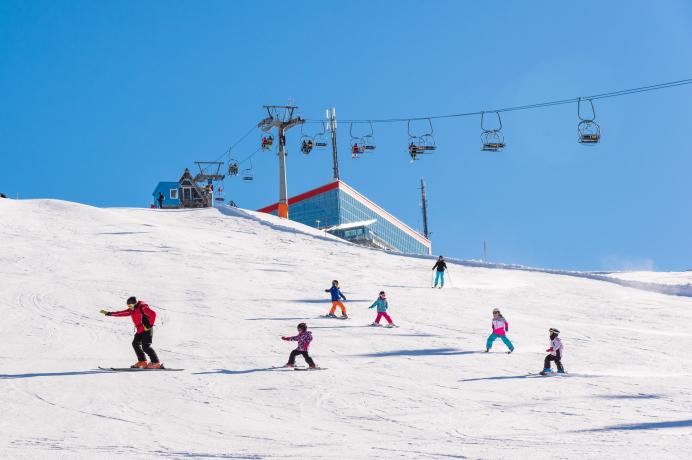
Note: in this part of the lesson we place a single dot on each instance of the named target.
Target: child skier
(499, 326)
(382, 305)
(555, 353)
(303, 338)
(441, 266)
(337, 296)
(143, 317)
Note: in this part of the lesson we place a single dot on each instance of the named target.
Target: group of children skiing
(144, 318)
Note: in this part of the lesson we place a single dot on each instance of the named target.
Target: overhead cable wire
(624, 92)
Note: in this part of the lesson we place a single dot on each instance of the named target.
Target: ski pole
(449, 277)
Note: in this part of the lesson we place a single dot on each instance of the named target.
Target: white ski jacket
(556, 348)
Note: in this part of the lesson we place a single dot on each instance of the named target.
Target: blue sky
(102, 100)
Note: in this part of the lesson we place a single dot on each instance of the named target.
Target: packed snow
(227, 284)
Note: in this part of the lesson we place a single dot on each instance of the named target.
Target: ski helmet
(496, 310)
(335, 282)
(302, 326)
(552, 330)
(132, 300)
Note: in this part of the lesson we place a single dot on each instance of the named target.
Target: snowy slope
(668, 278)
(228, 285)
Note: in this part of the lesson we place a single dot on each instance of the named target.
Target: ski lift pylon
(589, 131)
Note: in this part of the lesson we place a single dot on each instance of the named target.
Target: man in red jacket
(143, 317)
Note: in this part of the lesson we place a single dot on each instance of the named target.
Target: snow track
(227, 284)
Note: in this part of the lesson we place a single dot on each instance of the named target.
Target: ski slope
(227, 284)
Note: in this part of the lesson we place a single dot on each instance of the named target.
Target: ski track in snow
(228, 283)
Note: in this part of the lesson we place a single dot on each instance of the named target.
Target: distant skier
(382, 306)
(440, 266)
(499, 326)
(337, 296)
(303, 338)
(143, 317)
(160, 200)
(554, 353)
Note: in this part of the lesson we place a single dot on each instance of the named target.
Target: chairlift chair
(233, 168)
(306, 144)
(422, 144)
(247, 175)
(589, 131)
(267, 142)
(492, 140)
(320, 139)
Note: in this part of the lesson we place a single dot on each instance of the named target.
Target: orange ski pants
(337, 303)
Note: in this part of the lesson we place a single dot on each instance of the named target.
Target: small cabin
(171, 195)
(182, 194)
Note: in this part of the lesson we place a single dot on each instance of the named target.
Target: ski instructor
(441, 266)
(143, 317)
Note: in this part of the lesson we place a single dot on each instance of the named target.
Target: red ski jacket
(136, 313)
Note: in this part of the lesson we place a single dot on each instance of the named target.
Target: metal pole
(283, 187)
(335, 157)
(424, 203)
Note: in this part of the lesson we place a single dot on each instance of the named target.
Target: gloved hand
(326, 290)
(549, 349)
(343, 298)
(105, 312)
(284, 338)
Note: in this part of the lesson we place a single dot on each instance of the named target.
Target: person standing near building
(160, 200)
(440, 266)
(500, 326)
(143, 318)
(337, 296)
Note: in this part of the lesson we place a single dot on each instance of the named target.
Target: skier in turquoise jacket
(382, 306)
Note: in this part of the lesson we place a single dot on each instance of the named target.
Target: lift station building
(339, 209)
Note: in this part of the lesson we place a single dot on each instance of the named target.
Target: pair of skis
(137, 369)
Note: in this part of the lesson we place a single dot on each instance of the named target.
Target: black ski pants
(142, 344)
(557, 359)
(296, 352)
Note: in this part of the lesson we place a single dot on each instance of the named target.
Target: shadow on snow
(52, 374)
(420, 352)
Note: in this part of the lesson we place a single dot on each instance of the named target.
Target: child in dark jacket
(337, 296)
(554, 353)
(303, 338)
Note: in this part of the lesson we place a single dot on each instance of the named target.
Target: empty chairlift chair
(492, 140)
(589, 131)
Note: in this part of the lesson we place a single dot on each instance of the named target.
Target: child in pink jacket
(499, 326)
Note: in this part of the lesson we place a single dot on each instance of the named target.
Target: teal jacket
(381, 305)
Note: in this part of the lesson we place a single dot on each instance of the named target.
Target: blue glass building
(341, 210)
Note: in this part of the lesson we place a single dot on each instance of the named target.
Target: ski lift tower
(281, 117)
(207, 180)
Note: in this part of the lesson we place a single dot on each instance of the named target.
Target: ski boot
(289, 365)
(312, 366)
(391, 325)
(561, 370)
(344, 316)
(375, 324)
(546, 371)
(510, 351)
(139, 365)
(154, 366)
(487, 350)
(330, 315)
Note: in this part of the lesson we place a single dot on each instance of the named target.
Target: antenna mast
(424, 205)
(331, 116)
(281, 117)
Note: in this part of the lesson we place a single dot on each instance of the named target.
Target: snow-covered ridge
(228, 283)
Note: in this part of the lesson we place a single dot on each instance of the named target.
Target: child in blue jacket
(382, 305)
(337, 296)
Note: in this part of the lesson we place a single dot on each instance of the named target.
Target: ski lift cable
(624, 92)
